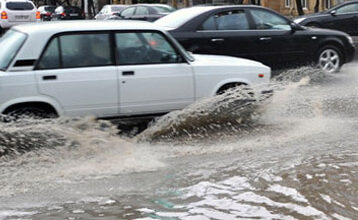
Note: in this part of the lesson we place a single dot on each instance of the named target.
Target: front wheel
(29, 113)
(330, 59)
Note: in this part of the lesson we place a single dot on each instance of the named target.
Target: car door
(276, 42)
(153, 75)
(345, 19)
(223, 33)
(78, 71)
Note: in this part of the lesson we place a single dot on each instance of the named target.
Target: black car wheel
(329, 59)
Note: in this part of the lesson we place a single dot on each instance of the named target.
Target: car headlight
(299, 20)
(350, 40)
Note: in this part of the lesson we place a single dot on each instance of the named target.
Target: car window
(141, 11)
(232, 20)
(209, 24)
(228, 20)
(82, 50)
(268, 20)
(128, 12)
(51, 57)
(351, 8)
(19, 6)
(144, 48)
(116, 8)
(10, 43)
(163, 9)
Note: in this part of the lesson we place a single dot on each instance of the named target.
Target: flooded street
(294, 156)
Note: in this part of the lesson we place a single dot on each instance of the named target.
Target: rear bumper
(9, 24)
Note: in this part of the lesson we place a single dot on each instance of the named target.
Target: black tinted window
(232, 20)
(268, 20)
(51, 57)
(73, 10)
(19, 6)
(144, 48)
(84, 50)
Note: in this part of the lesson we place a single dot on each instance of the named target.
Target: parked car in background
(144, 12)
(68, 13)
(109, 10)
(343, 17)
(13, 12)
(46, 12)
(110, 69)
(257, 33)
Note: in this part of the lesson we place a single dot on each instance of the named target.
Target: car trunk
(21, 12)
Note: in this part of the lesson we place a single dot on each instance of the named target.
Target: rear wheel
(330, 59)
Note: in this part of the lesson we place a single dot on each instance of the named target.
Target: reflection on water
(293, 156)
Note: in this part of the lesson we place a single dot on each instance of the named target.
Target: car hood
(225, 60)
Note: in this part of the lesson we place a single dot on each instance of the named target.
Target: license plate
(73, 14)
(21, 16)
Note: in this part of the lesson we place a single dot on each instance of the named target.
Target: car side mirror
(295, 27)
(333, 13)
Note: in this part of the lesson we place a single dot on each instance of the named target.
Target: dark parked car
(68, 13)
(343, 17)
(257, 33)
(46, 12)
(145, 12)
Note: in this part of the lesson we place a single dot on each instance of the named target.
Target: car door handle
(265, 38)
(217, 40)
(128, 73)
(50, 77)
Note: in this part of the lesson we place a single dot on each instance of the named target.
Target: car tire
(330, 59)
(29, 113)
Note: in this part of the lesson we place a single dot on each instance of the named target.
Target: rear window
(50, 9)
(19, 6)
(72, 10)
(10, 44)
(163, 9)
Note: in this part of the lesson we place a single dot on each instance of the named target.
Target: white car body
(17, 16)
(109, 10)
(106, 91)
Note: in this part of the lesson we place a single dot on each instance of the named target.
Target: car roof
(89, 25)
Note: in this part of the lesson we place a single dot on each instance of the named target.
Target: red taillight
(4, 15)
(261, 75)
(48, 14)
(38, 15)
(63, 14)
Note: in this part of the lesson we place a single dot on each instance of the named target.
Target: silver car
(17, 12)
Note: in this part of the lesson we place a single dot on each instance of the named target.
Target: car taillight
(48, 14)
(38, 15)
(4, 15)
(63, 14)
(83, 14)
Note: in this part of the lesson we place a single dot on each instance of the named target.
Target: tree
(299, 7)
(316, 7)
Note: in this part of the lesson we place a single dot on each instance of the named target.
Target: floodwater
(292, 156)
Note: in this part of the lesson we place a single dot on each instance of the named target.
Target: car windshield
(180, 17)
(19, 6)
(10, 43)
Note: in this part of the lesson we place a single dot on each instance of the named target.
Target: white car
(108, 11)
(109, 69)
(15, 12)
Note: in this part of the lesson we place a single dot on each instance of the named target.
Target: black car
(46, 12)
(68, 13)
(145, 12)
(343, 17)
(257, 33)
